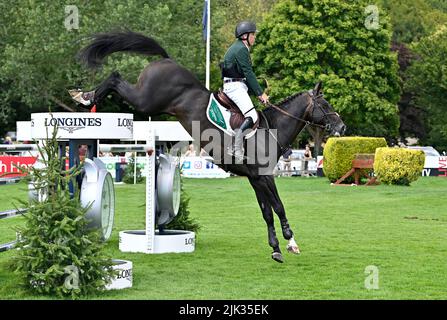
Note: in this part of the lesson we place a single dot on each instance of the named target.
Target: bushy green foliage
(339, 152)
(57, 254)
(129, 172)
(427, 79)
(39, 43)
(302, 42)
(413, 19)
(183, 221)
(399, 166)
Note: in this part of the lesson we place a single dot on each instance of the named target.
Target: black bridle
(314, 104)
(329, 124)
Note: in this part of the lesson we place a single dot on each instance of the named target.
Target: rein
(308, 123)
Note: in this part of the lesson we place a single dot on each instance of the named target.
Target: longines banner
(82, 125)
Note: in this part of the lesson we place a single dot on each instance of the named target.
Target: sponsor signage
(82, 125)
(201, 167)
(435, 166)
(110, 164)
(123, 278)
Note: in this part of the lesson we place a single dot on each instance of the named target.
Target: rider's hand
(264, 98)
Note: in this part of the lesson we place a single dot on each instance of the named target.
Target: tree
(414, 19)
(301, 42)
(40, 40)
(58, 254)
(438, 4)
(412, 122)
(427, 80)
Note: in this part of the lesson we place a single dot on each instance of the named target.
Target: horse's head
(322, 113)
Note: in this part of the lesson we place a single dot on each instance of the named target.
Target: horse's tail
(104, 44)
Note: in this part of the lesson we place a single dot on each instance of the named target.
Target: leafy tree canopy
(414, 19)
(302, 42)
(427, 80)
(40, 40)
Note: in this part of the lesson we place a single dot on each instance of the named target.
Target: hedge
(340, 151)
(399, 166)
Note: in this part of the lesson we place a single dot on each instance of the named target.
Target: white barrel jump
(163, 194)
(74, 129)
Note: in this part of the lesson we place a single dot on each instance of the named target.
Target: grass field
(341, 230)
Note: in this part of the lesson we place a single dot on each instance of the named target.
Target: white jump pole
(150, 193)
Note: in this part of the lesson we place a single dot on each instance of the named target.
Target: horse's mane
(269, 111)
(290, 98)
(284, 102)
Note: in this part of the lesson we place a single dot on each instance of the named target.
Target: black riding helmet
(244, 27)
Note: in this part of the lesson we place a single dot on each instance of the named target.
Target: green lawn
(341, 230)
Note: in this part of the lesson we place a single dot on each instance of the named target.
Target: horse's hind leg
(124, 89)
(281, 213)
(267, 214)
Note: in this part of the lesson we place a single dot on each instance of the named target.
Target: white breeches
(238, 92)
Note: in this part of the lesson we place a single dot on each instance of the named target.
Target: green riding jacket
(239, 56)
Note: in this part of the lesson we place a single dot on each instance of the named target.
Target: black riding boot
(239, 139)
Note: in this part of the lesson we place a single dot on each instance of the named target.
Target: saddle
(237, 117)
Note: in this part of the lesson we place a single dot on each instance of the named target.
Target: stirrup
(231, 152)
(240, 158)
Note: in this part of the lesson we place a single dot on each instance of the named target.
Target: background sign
(199, 167)
(82, 125)
(8, 165)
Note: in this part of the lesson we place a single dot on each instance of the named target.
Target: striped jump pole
(126, 148)
(17, 147)
(9, 214)
(7, 246)
(12, 213)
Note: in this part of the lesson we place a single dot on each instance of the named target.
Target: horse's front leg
(278, 206)
(267, 214)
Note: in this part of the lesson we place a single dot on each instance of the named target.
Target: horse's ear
(317, 88)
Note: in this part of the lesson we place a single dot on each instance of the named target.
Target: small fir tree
(57, 254)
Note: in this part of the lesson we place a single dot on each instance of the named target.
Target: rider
(240, 80)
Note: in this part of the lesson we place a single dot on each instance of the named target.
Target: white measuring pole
(150, 193)
(135, 166)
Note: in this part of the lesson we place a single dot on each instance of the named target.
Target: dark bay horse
(166, 87)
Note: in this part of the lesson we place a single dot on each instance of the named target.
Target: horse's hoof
(293, 249)
(85, 98)
(277, 257)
